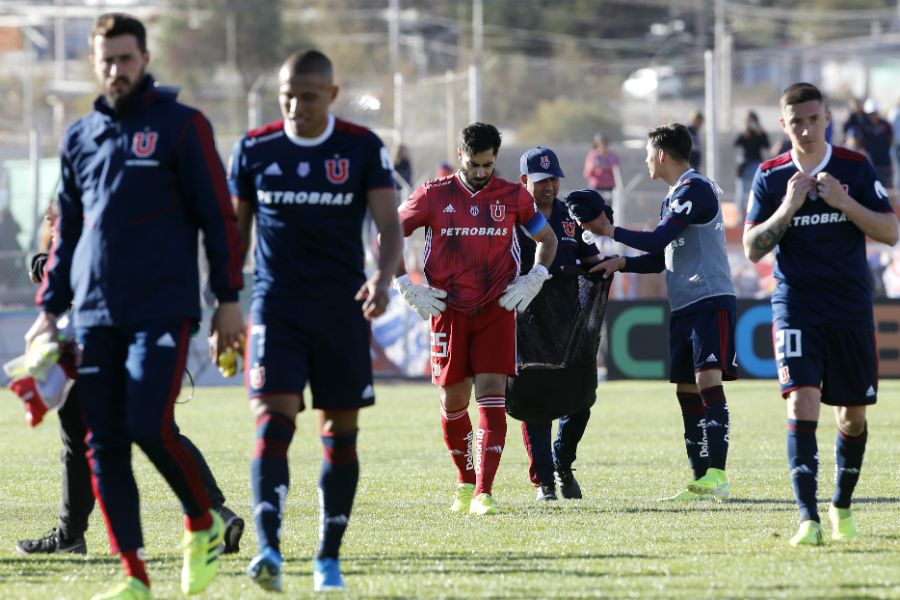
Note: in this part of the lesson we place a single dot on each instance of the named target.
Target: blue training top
(689, 242)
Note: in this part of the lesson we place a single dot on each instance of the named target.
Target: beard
(122, 92)
(475, 184)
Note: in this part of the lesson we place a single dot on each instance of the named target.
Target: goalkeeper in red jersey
(472, 292)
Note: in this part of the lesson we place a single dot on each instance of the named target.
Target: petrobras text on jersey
(487, 231)
(819, 219)
(303, 197)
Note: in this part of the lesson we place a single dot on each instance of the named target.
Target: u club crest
(498, 212)
(337, 170)
(143, 144)
(569, 228)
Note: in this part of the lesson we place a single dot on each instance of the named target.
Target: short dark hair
(112, 25)
(307, 62)
(478, 137)
(674, 138)
(799, 93)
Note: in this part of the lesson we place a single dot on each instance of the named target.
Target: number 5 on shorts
(438, 344)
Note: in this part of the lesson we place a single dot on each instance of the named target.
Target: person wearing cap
(472, 293)
(689, 244)
(551, 466)
(878, 137)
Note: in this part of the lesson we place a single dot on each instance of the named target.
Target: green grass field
(403, 543)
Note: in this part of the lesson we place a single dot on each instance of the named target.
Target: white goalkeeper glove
(424, 300)
(522, 291)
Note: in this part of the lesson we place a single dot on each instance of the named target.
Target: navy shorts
(702, 340)
(842, 363)
(323, 342)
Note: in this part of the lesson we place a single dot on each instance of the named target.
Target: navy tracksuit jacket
(135, 189)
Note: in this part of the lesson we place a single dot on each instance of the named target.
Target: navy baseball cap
(539, 164)
(586, 205)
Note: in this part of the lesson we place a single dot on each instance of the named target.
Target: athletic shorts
(842, 363)
(700, 341)
(324, 343)
(465, 345)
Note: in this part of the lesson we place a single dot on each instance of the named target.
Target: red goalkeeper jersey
(471, 248)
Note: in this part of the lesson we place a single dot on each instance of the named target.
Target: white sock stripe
(484, 399)
(492, 403)
(452, 416)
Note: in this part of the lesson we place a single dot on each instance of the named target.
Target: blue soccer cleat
(265, 570)
(327, 575)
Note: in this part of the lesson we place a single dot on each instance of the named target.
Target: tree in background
(216, 49)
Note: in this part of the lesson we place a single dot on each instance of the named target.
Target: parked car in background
(652, 83)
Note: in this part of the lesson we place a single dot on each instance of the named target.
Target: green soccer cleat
(132, 589)
(686, 495)
(714, 483)
(464, 493)
(484, 504)
(201, 556)
(809, 534)
(843, 526)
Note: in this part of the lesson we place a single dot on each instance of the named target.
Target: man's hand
(226, 330)
(831, 191)
(374, 295)
(602, 226)
(799, 186)
(424, 300)
(522, 291)
(609, 266)
(45, 323)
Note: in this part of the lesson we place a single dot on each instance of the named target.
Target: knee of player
(851, 422)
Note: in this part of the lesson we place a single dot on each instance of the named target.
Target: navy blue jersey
(571, 248)
(820, 263)
(136, 187)
(309, 198)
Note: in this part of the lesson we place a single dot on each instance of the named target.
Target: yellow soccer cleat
(484, 504)
(714, 483)
(843, 526)
(686, 495)
(201, 556)
(132, 589)
(809, 534)
(464, 493)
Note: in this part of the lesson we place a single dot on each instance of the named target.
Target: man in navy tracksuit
(140, 179)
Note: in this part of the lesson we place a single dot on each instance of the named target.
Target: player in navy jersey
(689, 244)
(540, 174)
(140, 178)
(814, 206)
(308, 180)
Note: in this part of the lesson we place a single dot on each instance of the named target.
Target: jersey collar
(302, 141)
(472, 193)
(680, 179)
(819, 166)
